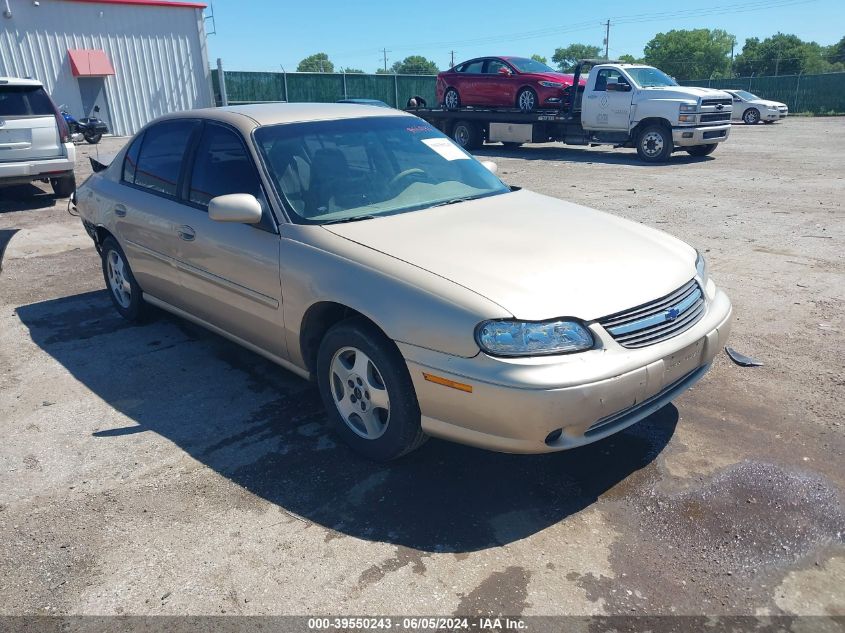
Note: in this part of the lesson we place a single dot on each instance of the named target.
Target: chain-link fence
(258, 87)
(817, 94)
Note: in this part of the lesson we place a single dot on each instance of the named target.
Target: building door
(93, 93)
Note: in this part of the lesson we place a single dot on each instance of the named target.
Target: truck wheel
(63, 187)
(451, 100)
(526, 100)
(467, 134)
(751, 116)
(367, 391)
(655, 144)
(701, 150)
(92, 137)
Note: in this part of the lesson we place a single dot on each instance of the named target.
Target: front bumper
(774, 115)
(515, 404)
(700, 135)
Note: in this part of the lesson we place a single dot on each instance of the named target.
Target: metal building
(135, 59)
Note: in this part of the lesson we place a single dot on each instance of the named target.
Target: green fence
(257, 87)
(818, 94)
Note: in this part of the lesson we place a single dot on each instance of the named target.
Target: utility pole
(777, 62)
(453, 59)
(607, 40)
(733, 43)
(384, 52)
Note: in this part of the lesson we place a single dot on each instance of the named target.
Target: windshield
(744, 94)
(650, 77)
(334, 171)
(525, 65)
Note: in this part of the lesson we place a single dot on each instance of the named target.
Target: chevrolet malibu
(361, 248)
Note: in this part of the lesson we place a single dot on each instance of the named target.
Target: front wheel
(124, 291)
(751, 116)
(367, 391)
(92, 137)
(655, 144)
(526, 100)
(701, 150)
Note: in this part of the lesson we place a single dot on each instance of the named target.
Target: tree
(630, 59)
(691, 54)
(316, 63)
(566, 58)
(356, 71)
(783, 54)
(415, 65)
(539, 58)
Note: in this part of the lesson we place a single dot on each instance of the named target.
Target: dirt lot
(159, 469)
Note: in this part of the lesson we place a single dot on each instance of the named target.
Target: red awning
(89, 63)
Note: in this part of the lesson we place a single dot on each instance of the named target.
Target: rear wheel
(751, 116)
(367, 391)
(655, 144)
(63, 187)
(451, 100)
(92, 137)
(467, 134)
(701, 150)
(124, 291)
(526, 100)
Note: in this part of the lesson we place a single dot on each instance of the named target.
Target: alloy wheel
(359, 393)
(120, 286)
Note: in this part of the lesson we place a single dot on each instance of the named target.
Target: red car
(509, 82)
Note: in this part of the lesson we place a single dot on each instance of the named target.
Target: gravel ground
(161, 470)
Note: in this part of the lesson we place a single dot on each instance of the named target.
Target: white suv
(35, 141)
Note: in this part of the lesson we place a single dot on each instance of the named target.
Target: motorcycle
(90, 128)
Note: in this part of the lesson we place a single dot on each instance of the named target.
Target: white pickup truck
(624, 105)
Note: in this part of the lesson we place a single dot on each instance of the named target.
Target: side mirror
(504, 70)
(618, 87)
(243, 208)
(490, 166)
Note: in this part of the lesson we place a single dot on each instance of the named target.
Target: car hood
(686, 92)
(537, 257)
(766, 102)
(558, 77)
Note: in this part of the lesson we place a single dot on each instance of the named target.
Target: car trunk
(28, 127)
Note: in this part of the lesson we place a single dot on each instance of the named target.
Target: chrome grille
(716, 116)
(657, 320)
(713, 102)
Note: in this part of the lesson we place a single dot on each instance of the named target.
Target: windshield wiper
(354, 218)
(456, 200)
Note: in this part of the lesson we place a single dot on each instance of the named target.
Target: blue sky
(268, 34)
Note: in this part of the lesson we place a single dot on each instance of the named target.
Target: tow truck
(621, 104)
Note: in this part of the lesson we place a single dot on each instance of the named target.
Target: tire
(526, 100)
(702, 150)
(467, 134)
(511, 144)
(654, 143)
(751, 116)
(63, 187)
(358, 367)
(124, 291)
(92, 138)
(451, 99)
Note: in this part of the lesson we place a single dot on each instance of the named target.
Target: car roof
(248, 117)
(18, 81)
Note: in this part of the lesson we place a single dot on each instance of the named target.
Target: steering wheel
(405, 174)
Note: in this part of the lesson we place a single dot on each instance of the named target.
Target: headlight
(700, 267)
(689, 107)
(551, 84)
(686, 118)
(772, 107)
(526, 338)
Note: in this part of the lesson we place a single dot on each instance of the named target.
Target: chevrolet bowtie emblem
(671, 314)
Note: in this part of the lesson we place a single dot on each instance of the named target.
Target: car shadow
(264, 429)
(6, 236)
(25, 198)
(581, 155)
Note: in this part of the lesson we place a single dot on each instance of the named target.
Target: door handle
(186, 233)
(120, 211)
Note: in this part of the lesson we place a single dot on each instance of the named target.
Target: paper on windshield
(446, 148)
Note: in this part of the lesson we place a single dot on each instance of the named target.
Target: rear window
(162, 151)
(25, 101)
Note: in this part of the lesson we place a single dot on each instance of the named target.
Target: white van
(35, 140)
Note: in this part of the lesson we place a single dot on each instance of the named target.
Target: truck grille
(716, 116)
(713, 102)
(658, 320)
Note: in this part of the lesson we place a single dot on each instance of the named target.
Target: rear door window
(162, 152)
(472, 67)
(23, 101)
(221, 167)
